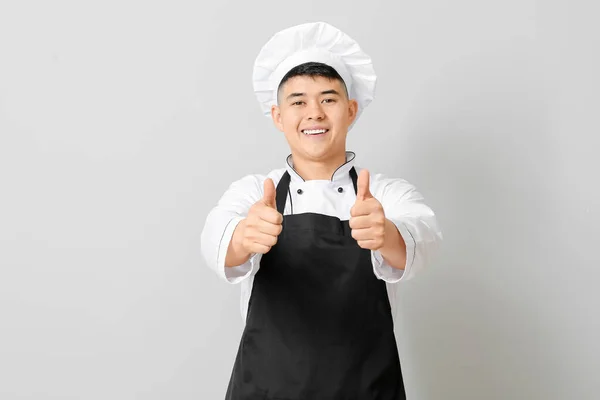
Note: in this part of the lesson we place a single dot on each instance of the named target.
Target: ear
(276, 116)
(352, 110)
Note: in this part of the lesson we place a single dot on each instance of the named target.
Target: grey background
(121, 123)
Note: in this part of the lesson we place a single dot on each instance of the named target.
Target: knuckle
(254, 210)
(249, 233)
(246, 244)
(251, 220)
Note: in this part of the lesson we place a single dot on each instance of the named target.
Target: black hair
(313, 69)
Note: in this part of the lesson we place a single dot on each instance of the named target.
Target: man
(319, 245)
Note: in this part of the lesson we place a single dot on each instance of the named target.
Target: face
(314, 113)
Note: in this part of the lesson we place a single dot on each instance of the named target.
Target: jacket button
(299, 191)
(340, 189)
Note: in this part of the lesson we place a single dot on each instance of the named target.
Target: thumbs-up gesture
(367, 217)
(263, 224)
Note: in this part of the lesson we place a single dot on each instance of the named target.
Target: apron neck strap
(283, 189)
(354, 177)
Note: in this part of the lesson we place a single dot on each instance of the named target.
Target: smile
(314, 131)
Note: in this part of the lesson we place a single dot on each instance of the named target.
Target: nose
(315, 112)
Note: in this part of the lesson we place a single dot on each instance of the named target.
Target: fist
(367, 220)
(263, 224)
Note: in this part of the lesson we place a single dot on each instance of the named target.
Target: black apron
(319, 323)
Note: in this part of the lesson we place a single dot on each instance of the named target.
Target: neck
(318, 170)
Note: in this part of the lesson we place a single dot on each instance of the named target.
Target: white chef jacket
(402, 205)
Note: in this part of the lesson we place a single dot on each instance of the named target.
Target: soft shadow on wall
(480, 321)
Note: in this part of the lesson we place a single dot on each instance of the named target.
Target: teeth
(314, 131)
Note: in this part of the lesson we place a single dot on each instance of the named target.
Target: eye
(297, 103)
(329, 100)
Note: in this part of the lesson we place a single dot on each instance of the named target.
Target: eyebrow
(330, 91)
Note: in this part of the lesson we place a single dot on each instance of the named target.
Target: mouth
(314, 132)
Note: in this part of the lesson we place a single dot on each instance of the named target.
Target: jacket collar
(341, 173)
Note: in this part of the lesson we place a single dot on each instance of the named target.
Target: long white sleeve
(416, 222)
(221, 223)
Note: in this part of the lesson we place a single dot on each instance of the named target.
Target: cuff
(238, 273)
(386, 272)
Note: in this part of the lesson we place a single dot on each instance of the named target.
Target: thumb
(269, 193)
(362, 190)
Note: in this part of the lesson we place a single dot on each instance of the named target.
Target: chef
(320, 245)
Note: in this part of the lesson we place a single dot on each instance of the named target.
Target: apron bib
(319, 323)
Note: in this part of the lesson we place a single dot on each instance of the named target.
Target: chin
(319, 155)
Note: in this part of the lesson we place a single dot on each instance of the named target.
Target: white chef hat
(314, 42)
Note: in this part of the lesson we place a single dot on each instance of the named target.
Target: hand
(367, 220)
(263, 224)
